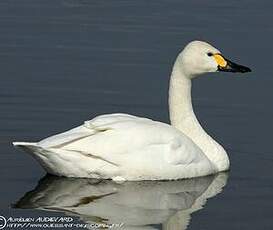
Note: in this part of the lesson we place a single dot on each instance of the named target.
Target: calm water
(66, 61)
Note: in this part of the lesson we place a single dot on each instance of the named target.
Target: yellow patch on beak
(220, 60)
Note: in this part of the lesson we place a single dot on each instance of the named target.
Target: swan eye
(209, 54)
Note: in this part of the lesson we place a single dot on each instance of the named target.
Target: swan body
(126, 147)
(105, 148)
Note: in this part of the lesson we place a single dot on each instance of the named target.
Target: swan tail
(24, 144)
(61, 162)
(30, 147)
(37, 152)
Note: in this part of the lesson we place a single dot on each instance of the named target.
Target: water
(66, 61)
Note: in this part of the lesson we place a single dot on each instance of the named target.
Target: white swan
(126, 147)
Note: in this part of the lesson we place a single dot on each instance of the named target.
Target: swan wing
(89, 128)
(117, 135)
(129, 144)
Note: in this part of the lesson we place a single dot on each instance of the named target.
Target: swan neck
(183, 118)
(180, 102)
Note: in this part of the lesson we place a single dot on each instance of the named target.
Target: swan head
(199, 57)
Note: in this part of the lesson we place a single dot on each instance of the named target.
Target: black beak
(234, 68)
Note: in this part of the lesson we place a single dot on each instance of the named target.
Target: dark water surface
(66, 61)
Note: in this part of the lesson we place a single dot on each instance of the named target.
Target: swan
(125, 147)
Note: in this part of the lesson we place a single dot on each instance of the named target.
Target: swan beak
(226, 65)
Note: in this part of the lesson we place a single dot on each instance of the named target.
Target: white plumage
(104, 148)
(126, 147)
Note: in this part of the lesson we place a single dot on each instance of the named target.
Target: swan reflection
(139, 205)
